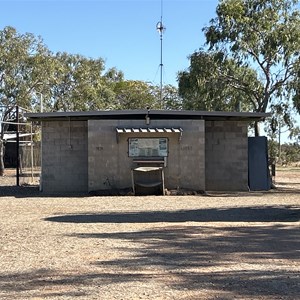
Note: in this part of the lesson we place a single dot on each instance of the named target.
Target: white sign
(139, 147)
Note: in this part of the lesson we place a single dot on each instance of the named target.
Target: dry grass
(219, 246)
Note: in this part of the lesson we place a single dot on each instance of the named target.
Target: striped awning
(149, 130)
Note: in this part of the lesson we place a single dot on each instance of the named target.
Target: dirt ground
(214, 246)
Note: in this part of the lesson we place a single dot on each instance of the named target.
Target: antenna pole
(161, 64)
(160, 28)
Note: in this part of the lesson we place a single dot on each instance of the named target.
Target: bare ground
(217, 246)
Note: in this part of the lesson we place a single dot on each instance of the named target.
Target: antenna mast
(161, 29)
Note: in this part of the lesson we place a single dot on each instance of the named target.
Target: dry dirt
(214, 246)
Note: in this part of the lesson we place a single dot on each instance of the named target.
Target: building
(142, 149)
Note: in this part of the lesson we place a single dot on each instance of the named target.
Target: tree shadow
(245, 262)
(19, 191)
(236, 262)
(242, 214)
(57, 283)
(32, 191)
(282, 184)
(287, 188)
(206, 257)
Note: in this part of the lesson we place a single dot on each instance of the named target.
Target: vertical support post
(163, 180)
(31, 151)
(18, 147)
(132, 181)
(41, 160)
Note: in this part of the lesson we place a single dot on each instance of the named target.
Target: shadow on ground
(233, 262)
(24, 191)
(245, 214)
(33, 192)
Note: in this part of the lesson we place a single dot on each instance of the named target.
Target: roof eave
(154, 114)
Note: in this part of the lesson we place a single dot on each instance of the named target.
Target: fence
(30, 163)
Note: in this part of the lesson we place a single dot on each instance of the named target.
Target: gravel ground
(214, 246)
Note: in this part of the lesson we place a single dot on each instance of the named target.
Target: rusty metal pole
(18, 146)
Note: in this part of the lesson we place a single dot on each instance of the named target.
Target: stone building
(141, 149)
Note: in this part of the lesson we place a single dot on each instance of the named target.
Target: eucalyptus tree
(138, 94)
(79, 84)
(213, 82)
(263, 38)
(114, 75)
(171, 98)
(135, 94)
(23, 68)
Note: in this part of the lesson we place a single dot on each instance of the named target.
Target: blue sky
(122, 32)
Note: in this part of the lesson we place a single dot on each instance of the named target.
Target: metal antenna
(161, 29)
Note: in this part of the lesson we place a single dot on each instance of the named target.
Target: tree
(213, 82)
(135, 94)
(113, 75)
(32, 76)
(278, 125)
(22, 70)
(79, 85)
(171, 98)
(262, 37)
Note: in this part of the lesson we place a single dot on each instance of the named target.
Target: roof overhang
(153, 114)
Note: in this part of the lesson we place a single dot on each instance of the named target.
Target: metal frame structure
(15, 117)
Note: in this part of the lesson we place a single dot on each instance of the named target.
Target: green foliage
(22, 67)
(31, 75)
(284, 154)
(252, 56)
(171, 98)
(216, 82)
(21, 70)
(134, 94)
(264, 35)
(290, 153)
(273, 151)
(78, 84)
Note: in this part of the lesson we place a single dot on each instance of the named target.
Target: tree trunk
(256, 128)
(1, 158)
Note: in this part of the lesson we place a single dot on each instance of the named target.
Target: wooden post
(163, 180)
(132, 181)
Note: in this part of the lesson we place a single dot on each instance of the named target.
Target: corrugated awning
(149, 130)
(161, 130)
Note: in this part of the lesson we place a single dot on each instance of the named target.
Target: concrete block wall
(110, 166)
(192, 155)
(226, 155)
(103, 156)
(82, 156)
(64, 156)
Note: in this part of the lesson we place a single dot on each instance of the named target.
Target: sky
(122, 32)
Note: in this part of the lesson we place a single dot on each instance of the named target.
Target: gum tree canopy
(252, 56)
(29, 73)
(22, 69)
